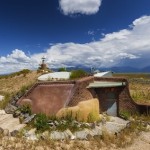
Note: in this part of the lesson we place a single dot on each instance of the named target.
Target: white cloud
(141, 21)
(123, 34)
(17, 60)
(87, 7)
(130, 46)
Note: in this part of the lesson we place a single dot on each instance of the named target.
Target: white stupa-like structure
(55, 76)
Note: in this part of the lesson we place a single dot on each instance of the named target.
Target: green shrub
(125, 114)
(24, 88)
(62, 69)
(41, 122)
(25, 109)
(61, 124)
(71, 125)
(25, 72)
(77, 74)
(92, 117)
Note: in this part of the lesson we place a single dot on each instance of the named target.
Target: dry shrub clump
(86, 111)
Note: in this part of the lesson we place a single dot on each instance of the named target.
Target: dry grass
(140, 92)
(10, 85)
(133, 75)
(14, 84)
(139, 86)
(106, 141)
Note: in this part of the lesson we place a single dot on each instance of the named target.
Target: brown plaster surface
(50, 98)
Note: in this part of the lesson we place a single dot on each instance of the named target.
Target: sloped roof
(98, 84)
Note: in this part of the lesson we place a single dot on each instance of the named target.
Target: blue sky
(97, 33)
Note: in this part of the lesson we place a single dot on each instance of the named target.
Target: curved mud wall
(50, 97)
(81, 93)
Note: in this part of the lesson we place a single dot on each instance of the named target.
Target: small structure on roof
(43, 67)
(104, 74)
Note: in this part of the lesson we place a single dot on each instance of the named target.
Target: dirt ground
(141, 143)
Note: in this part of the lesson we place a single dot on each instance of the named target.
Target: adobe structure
(50, 97)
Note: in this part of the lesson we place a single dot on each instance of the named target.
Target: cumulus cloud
(17, 60)
(88, 7)
(126, 47)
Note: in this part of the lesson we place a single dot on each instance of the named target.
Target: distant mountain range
(119, 69)
(130, 69)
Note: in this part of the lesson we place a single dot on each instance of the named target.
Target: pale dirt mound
(7, 121)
